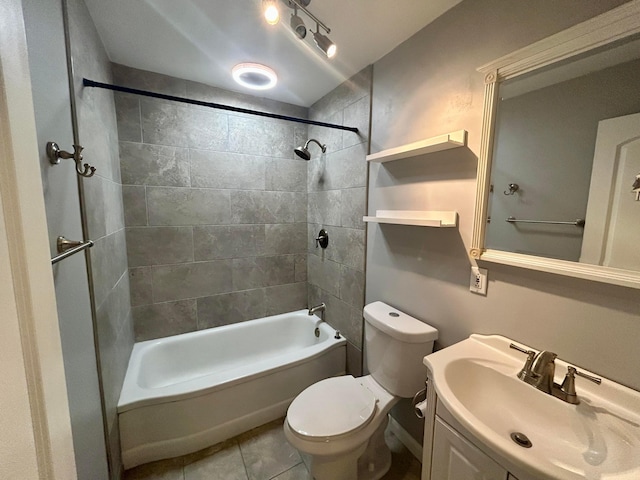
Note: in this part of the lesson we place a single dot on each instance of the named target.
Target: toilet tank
(395, 344)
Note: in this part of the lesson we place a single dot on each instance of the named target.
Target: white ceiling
(201, 40)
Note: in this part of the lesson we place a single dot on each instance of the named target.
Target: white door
(612, 228)
(50, 87)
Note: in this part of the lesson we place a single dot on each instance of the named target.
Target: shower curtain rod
(117, 88)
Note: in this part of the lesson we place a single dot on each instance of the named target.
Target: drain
(521, 439)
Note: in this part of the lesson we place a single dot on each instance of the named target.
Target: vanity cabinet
(455, 458)
(449, 452)
(476, 409)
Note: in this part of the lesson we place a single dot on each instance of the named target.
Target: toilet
(340, 422)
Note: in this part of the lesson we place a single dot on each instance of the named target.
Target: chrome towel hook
(55, 154)
(513, 188)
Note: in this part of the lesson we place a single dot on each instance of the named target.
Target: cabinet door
(454, 458)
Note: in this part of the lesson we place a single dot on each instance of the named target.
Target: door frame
(36, 433)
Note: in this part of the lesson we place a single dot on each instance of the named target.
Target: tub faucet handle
(322, 239)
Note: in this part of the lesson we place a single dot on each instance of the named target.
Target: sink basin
(476, 380)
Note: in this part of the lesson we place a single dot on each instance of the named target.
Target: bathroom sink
(476, 381)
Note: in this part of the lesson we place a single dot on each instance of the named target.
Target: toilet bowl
(340, 421)
(334, 421)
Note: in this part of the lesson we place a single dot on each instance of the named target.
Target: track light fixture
(297, 25)
(323, 43)
(271, 12)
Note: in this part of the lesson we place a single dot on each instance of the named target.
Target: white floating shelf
(430, 145)
(414, 217)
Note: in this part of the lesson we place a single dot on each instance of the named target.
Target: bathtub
(190, 391)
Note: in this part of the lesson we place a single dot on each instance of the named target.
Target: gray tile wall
(104, 211)
(215, 205)
(336, 182)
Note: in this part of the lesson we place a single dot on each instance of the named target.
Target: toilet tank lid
(398, 325)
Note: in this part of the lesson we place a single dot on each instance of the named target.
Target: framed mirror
(559, 165)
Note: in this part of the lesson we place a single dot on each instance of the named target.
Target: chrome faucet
(539, 370)
(318, 308)
(543, 369)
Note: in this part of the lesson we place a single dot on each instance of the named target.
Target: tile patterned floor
(260, 454)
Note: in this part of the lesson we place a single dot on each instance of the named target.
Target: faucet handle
(569, 384)
(322, 239)
(526, 370)
(520, 349)
(573, 371)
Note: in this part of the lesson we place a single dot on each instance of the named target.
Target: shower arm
(322, 147)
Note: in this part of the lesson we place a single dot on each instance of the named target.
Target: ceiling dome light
(271, 12)
(324, 44)
(254, 76)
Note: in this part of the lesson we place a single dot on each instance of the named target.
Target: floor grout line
(244, 463)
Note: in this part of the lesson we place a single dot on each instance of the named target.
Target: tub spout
(318, 308)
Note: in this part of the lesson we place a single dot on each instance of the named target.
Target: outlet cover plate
(478, 280)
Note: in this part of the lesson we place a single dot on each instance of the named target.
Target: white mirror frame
(597, 32)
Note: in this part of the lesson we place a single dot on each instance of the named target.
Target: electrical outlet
(478, 281)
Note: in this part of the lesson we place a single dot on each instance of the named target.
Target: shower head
(304, 153)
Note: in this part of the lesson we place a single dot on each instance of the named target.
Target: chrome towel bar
(70, 251)
(576, 223)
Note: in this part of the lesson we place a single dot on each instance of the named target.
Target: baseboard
(405, 437)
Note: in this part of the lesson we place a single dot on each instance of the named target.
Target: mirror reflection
(566, 161)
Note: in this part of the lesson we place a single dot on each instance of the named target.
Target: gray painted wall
(215, 207)
(428, 86)
(105, 216)
(47, 59)
(337, 183)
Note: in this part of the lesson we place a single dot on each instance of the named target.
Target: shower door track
(117, 88)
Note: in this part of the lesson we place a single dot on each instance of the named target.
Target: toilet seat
(331, 408)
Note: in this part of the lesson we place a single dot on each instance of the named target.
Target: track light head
(271, 12)
(303, 3)
(327, 46)
(297, 25)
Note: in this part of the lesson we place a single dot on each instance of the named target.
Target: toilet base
(376, 459)
(370, 461)
(342, 467)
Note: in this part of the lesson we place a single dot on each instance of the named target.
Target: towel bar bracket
(66, 248)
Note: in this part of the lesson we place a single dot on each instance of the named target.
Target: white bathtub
(190, 391)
